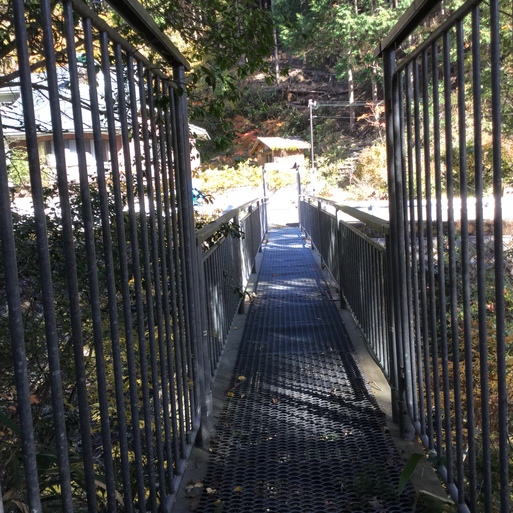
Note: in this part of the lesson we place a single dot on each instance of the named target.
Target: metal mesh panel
(301, 431)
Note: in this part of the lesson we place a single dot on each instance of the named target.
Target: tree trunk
(374, 86)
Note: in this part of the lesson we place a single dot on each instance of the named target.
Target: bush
(371, 169)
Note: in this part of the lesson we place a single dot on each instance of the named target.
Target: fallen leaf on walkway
(241, 378)
(230, 394)
(210, 490)
(274, 400)
(238, 489)
(376, 503)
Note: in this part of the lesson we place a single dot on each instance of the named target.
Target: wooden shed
(280, 152)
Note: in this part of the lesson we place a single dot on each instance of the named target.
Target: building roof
(280, 143)
(11, 108)
(197, 132)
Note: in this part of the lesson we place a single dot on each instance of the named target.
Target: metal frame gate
(452, 312)
(100, 396)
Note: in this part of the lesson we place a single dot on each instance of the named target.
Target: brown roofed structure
(280, 152)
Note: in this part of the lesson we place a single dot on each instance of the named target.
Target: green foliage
(18, 169)
(337, 35)
(371, 170)
(213, 180)
(11, 462)
(226, 42)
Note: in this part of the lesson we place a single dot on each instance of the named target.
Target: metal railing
(100, 391)
(447, 131)
(228, 248)
(352, 245)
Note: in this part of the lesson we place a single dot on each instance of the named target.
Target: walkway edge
(427, 484)
(425, 480)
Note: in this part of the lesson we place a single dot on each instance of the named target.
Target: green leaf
(408, 470)
(6, 421)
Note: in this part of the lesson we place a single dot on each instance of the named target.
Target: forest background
(256, 64)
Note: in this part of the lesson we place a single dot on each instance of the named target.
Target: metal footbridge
(117, 303)
(300, 430)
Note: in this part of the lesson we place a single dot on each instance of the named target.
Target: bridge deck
(300, 430)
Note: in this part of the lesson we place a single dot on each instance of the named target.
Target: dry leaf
(376, 503)
(238, 489)
(241, 378)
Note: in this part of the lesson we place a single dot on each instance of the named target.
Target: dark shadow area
(300, 430)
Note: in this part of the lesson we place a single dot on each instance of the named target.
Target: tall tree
(226, 42)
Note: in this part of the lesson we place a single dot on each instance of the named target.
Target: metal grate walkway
(301, 431)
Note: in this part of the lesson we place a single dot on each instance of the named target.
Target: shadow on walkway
(300, 430)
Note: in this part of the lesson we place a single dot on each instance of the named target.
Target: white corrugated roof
(282, 143)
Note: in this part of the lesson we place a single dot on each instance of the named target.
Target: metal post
(388, 66)
(203, 393)
(311, 105)
(298, 181)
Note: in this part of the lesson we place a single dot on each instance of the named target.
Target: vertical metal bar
(122, 69)
(151, 283)
(71, 267)
(388, 68)
(401, 285)
(179, 135)
(448, 426)
(99, 350)
(16, 321)
(426, 418)
(433, 337)
(88, 223)
(171, 309)
(53, 349)
(495, 58)
(442, 310)
(135, 221)
(410, 166)
(92, 273)
(118, 210)
(480, 271)
(200, 399)
(156, 104)
(465, 268)
(179, 319)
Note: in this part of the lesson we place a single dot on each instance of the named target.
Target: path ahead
(300, 431)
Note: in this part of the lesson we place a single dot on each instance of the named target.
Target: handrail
(463, 11)
(370, 220)
(209, 229)
(81, 8)
(408, 22)
(374, 222)
(135, 14)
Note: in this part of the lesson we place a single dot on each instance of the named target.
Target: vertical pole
(388, 67)
(192, 264)
(264, 182)
(298, 181)
(311, 105)
(276, 55)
